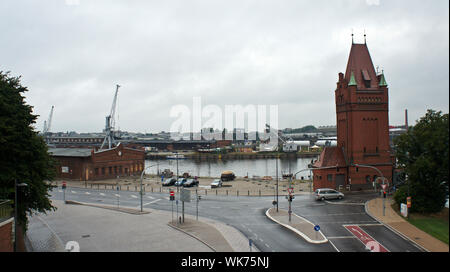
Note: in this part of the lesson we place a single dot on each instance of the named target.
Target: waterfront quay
(231, 155)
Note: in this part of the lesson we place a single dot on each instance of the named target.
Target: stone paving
(98, 228)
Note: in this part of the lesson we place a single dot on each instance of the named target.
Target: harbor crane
(48, 123)
(110, 123)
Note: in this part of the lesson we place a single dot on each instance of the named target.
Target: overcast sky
(72, 53)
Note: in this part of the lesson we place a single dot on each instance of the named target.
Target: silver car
(216, 183)
(322, 194)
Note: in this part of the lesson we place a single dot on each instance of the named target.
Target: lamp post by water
(142, 174)
(16, 213)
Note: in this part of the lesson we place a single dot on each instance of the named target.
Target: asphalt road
(247, 214)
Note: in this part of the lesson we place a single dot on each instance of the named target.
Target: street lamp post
(382, 177)
(142, 174)
(16, 213)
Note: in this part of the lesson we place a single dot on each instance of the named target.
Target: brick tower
(362, 121)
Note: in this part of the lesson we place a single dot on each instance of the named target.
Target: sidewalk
(394, 221)
(102, 228)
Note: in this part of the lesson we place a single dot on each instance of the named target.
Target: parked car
(227, 175)
(190, 183)
(180, 182)
(322, 194)
(216, 183)
(169, 182)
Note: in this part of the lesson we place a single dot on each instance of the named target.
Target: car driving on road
(326, 193)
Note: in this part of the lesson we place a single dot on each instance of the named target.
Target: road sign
(316, 227)
(172, 193)
(408, 202)
(64, 185)
(185, 195)
(290, 190)
(384, 186)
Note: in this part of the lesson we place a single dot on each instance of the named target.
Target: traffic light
(384, 194)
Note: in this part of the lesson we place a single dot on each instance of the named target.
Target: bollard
(259, 192)
(237, 193)
(227, 192)
(128, 187)
(152, 189)
(216, 191)
(206, 192)
(105, 186)
(248, 193)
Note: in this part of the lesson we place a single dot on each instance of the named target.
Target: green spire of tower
(383, 82)
(352, 80)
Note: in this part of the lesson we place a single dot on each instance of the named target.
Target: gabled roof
(331, 156)
(360, 63)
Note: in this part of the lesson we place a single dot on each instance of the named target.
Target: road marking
(102, 194)
(117, 195)
(333, 245)
(73, 192)
(134, 196)
(60, 191)
(87, 193)
(267, 245)
(148, 203)
(342, 237)
(368, 241)
(151, 197)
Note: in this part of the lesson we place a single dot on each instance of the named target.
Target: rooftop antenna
(365, 36)
(352, 36)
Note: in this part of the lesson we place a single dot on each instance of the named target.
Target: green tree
(23, 153)
(423, 154)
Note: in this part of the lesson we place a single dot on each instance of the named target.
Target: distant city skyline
(72, 53)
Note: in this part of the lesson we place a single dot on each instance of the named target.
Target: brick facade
(6, 236)
(102, 164)
(362, 120)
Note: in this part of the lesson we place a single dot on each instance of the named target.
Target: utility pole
(277, 179)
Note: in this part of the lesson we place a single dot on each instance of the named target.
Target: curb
(193, 236)
(304, 236)
(129, 211)
(392, 229)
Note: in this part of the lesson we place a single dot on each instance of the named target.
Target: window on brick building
(96, 171)
(103, 170)
(330, 177)
(110, 170)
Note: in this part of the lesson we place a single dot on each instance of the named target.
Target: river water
(241, 168)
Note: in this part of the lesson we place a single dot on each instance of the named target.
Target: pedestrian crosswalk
(117, 195)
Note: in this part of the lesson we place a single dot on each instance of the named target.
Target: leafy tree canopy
(423, 154)
(23, 154)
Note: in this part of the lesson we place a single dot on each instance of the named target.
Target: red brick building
(362, 106)
(87, 164)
